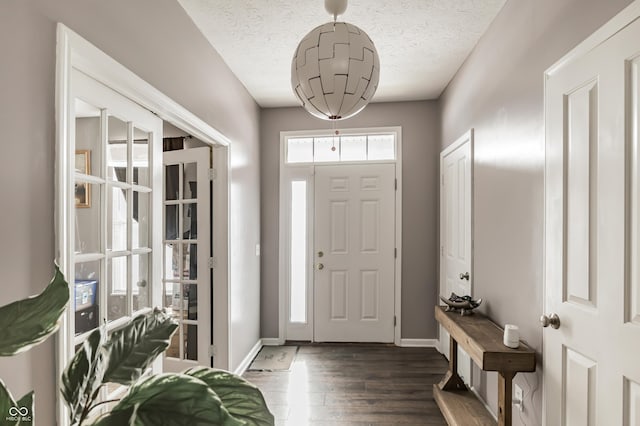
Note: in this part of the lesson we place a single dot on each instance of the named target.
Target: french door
(187, 279)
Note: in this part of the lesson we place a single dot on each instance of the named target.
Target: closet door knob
(553, 320)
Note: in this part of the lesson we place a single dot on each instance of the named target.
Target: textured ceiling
(421, 43)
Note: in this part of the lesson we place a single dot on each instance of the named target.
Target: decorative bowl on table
(464, 304)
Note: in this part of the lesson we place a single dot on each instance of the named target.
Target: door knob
(464, 276)
(320, 253)
(553, 320)
(320, 266)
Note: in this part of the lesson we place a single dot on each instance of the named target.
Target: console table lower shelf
(482, 340)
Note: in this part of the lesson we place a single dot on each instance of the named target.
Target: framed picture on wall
(83, 190)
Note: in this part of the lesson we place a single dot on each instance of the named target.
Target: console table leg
(451, 381)
(504, 398)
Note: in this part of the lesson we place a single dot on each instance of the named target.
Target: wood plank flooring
(356, 385)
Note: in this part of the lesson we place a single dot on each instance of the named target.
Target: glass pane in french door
(190, 336)
(87, 217)
(140, 157)
(117, 218)
(117, 153)
(141, 219)
(86, 302)
(190, 181)
(141, 285)
(190, 221)
(117, 287)
(88, 138)
(190, 261)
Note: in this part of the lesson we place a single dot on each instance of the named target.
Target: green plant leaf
(243, 400)
(134, 347)
(169, 400)
(6, 402)
(83, 376)
(27, 401)
(26, 323)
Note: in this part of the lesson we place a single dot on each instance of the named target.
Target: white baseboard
(246, 362)
(419, 343)
(483, 402)
(272, 341)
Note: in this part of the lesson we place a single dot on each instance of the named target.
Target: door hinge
(213, 263)
(395, 321)
(212, 351)
(213, 174)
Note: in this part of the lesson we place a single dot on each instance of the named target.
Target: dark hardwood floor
(354, 384)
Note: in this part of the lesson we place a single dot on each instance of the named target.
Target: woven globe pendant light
(335, 69)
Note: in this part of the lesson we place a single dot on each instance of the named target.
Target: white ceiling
(421, 43)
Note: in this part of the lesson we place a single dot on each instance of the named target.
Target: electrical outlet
(518, 397)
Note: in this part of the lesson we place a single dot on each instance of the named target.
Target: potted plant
(198, 396)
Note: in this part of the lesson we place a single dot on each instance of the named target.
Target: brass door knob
(320, 266)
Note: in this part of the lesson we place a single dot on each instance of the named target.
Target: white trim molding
(483, 402)
(419, 343)
(246, 361)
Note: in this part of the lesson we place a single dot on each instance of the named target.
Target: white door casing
(182, 274)
(354, 243)
(591, 368)
(456, 251)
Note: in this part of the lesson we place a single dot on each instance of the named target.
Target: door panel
(591, 235)
(579, 391)
(632, 403)
(355, 230)
(580, 189)
(339, 227)
(633, 303)
(339, 284)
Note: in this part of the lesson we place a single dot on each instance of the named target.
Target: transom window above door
(341, 148)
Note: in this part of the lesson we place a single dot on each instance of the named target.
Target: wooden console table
(482, 340)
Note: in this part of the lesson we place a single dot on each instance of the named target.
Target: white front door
(591, 362)
(455, 232)
(186, 271)
(354, 255)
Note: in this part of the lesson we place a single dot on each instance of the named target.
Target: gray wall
(158, 41)
(499, 92)
(420, 149)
